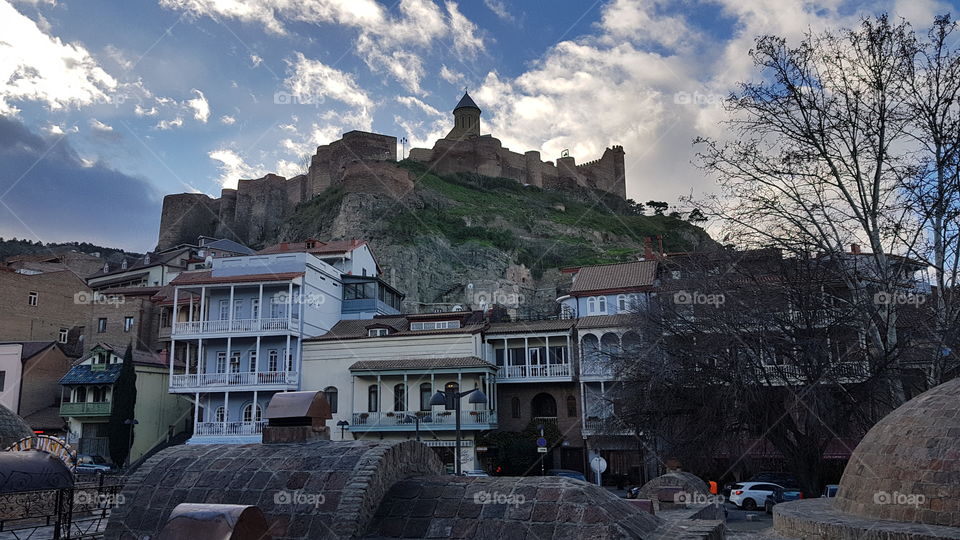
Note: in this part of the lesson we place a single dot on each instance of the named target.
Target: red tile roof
(206, 276)
(318, 247)
(420, 363)
(614, 277)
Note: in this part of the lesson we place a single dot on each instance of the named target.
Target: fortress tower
(466, 119)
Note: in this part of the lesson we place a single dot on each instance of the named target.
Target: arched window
(571, 406)
(622, 305)
(601, 304)
(252, 412)
(80, 394)
(330, 393)
(590, 348)
(373, 398)
(609, 346)
(591, 305)
(400, 397)
(221, 414)
(566, 312)
(515, 407)
(632, 344)
(99, 394)
(451, 389)
(425, 394)
(543, 404)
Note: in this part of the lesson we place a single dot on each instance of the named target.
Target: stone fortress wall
(363, 162)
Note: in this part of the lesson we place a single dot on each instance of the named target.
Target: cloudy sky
(106, 106)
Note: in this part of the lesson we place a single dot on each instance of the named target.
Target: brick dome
(907, 468)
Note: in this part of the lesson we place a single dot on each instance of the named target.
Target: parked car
(830, 490)
(92, 463)
(475, 473)
(567, 473)
(779, 478)
(780, 495)
(750, 495)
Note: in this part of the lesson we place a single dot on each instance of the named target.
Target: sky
(107, 106)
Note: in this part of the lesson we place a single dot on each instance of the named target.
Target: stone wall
(185, 216)
(57, 307)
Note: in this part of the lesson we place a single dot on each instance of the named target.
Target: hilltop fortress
(364, 162)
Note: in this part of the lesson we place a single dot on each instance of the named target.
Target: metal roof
(420, 363)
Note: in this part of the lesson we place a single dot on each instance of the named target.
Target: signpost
(598, 464)
(542, 449)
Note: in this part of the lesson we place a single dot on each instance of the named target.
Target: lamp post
(441, 398)
(130, 422)
(342, 425)
(416, 420)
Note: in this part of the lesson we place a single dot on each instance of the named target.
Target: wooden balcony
(236, 326)
(253, 380)
(535, 373)
(100, 408)
(226, 429)
(429, 421)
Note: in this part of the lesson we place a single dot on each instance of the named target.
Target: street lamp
(130, 422)
(407, 418)
(441, 398)
(342, 425)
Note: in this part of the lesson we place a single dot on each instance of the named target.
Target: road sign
(598, 464)
(541, 449)
(541, 442)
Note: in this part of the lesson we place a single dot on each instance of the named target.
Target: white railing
(428, 420)
(263, 378)
(534, 371)
(606, 425)
(230, 327)
(595, 368)
(228, 428)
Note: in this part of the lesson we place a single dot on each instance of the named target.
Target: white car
(750, 495)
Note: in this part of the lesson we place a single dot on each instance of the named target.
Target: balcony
(227, 429)
(604, 426)
(236, 326)
(441, 420)
(535, 373)
(276, 380)
(596, 369)
(99, 408)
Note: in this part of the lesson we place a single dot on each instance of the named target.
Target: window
(499, 353)
(425, 394)
(359, 291)
(3, 380)
(376, 332)
(278, 306)
(400, 397)
(621, 303)
(99, 394)
(571, 406)
(101, 325)
(566, 312)
(591, 305)
(80, 395)
(330, 393)
(238, 309)
(601, 304)
(224, 310)
(222, 362)
(451, 389)
(373, 398)
(221, 414)
(289, 361)
(235, 362)
(33, 298)
(515, 407)
(272, 360)
(62, 338)
(253, 361)
(127, 324)
(434, 325)
(164, 318)
(255, 308)
(251, 412)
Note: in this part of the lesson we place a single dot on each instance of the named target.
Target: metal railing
(428, 420)
(228, 428)
(85, 408)
(235, 326)
(262, 378)
(534, 371)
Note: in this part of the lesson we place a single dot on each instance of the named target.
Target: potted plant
(474, 413)
(364, 416)
(390, 414)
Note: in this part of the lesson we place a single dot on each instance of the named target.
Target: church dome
(907, 467)
(466, 102)
(12, 428)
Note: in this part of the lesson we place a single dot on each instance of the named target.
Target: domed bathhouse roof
(12, 428)
(466, 102)
(903, 479)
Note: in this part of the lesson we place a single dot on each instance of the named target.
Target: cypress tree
(124, 403)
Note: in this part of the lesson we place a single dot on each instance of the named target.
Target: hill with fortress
(467, 210)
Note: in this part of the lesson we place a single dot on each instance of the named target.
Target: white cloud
(228, 120)
(140, 111)
(289, 169)
(313, 82)
(466, 40)
(499, 9)
(170, 124)
(413, 102)
(200, 106)
(97, 125)
(449, 75)
(35, 66)
(255, 60)
(233, 167)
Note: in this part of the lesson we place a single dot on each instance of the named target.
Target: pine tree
(124, 403)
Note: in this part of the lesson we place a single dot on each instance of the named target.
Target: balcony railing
(263, 378)
(605, 425)
(428, 420)
(595, 368)
(534, 371)
(228, 428)
(236, 326)
(99, 408)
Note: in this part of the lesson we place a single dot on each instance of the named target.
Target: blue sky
(151, 97)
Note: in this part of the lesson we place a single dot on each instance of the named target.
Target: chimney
(647, 248)
(284, 246)
(855, 249)
(297, 417)
(660, 246)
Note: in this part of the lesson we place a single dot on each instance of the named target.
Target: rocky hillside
(469, 240)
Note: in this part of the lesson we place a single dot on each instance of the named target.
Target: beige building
(30, 373)
(380, 375)
(44, 306)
